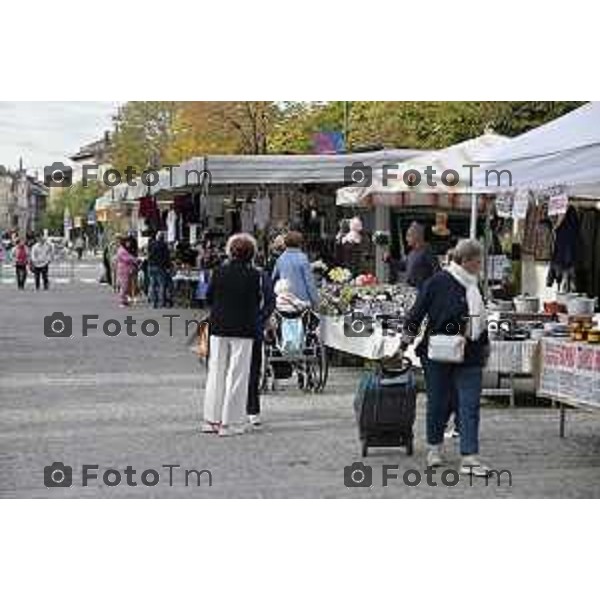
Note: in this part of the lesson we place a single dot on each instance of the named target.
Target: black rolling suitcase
(385, 407)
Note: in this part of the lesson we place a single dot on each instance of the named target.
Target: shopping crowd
(242, 296)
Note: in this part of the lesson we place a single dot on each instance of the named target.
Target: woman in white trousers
(234, 298)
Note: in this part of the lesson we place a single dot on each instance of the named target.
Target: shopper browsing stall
(453, 352)
(233, 326)
(294, 266)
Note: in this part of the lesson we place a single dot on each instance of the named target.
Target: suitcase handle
(406, 365)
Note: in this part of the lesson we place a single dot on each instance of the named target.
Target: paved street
(119, 401)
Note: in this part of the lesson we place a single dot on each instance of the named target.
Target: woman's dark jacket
(234, 297)
(444, 301)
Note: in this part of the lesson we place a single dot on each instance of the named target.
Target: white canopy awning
(392, 182)
(257, 170)
(562, 153)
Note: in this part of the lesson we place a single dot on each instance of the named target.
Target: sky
(44, 132)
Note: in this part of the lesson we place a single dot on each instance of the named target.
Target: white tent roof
(387, 184)
(258, 169)
(564, 152)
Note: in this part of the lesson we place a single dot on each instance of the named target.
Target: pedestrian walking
(294, 266)
(234, 300)
(41, 256)
(453, 352)
(159, 263)
(79, 246)
(21, 256)
(3, 255)
(131, 244)
(126, 267)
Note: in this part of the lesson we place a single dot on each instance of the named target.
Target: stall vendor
(420, 263)
(354, 249)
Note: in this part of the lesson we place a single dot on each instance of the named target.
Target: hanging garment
(587, 272)
(262, 212)
(247, 217)
(171, 226)
(564, 254)
(543, 235)
(529, 235)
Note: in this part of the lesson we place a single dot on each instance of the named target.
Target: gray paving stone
(137, 401)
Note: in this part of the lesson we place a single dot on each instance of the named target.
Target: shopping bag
(292, 336)
(202, 287)
(203, 341)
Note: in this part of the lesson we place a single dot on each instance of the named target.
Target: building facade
(23, 200)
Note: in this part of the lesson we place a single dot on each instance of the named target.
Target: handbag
(292, 335)
(202, 286)
(203, 342)
(446, 348)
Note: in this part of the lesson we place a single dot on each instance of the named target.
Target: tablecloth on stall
(519, 358)
(505, 357)
(374, 347)
(570, 372)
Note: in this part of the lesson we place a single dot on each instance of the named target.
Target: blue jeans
(157, 285)
(441, 380)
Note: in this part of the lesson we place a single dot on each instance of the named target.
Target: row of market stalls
(539, 193)
(532, 200)
(219, 195)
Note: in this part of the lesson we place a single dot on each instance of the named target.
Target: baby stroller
(293, 347)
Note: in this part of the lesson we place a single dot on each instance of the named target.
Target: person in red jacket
(21, 261)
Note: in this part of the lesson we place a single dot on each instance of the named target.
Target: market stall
(552, 187)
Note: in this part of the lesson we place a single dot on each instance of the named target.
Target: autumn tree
(144, 134)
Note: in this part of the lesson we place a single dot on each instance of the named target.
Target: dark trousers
(21, 276)
(253, 406)
(467, 381)
(43, 272)
(157, 285)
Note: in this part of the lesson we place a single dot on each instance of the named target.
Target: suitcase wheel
(365, 448)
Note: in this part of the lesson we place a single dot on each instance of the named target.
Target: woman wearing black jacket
(453, 303)
(234, 299)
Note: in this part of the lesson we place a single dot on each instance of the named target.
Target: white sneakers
(472, 465)
(469, 465)
(254, 421)
(435, 457)
(229, 430)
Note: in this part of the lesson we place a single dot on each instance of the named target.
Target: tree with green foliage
(79, 199)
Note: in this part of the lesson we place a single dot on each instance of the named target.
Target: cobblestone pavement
(136, 401)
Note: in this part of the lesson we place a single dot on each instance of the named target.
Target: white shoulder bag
(446, 348)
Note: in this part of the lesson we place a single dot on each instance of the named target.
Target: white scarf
(477, 314)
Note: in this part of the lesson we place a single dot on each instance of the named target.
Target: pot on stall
(527, 304)
(580, 305)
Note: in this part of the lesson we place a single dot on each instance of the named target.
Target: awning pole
(473, 233)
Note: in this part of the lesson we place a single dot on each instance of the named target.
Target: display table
(569, 374)
(184, 286)
(506, 358)
(373, 347)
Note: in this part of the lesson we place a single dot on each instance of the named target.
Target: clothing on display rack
(171, 221)
(587, 272)
(247, 217)
(564, 253)
(262, 212)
